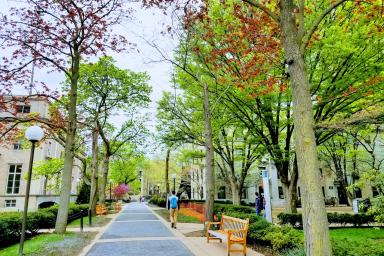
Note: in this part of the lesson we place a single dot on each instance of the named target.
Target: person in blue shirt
(173, 206)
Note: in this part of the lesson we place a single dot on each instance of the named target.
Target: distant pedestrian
(173, 207)
(258, 203)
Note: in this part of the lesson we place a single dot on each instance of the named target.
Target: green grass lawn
(51, 244)
(181, 218)
(97, 221)
(358, 241)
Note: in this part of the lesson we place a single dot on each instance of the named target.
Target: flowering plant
(120, 190)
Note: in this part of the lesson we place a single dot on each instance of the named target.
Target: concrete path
(137, 231)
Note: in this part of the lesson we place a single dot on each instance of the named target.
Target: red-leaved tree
(56, 35)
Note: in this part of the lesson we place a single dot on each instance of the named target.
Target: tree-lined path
(137, 231)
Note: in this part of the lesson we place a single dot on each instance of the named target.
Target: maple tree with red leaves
(295, 31)
(56, 35)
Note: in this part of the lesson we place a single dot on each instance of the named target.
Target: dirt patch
(70, 246)
(265, 250)
(199, 233)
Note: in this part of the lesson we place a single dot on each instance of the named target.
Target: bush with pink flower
(120, 190)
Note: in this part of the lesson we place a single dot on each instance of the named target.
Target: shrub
(10, 225)
(295, 219)
(10, 228)
(298, 251)
(378, 209)
(10, 222)
(84, 192)
(220, 208)
(159, 201)
(284, 237)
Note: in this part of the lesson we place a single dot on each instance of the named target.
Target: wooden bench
(232, 230)
(101, 209)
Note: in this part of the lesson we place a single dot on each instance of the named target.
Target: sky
(146, 25)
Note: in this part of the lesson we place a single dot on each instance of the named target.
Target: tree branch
(308, 35)
(263, 8)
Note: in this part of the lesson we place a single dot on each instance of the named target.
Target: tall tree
(56, 35)
(103, 90)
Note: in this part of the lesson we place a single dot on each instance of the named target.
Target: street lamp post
(33, 134)
(174, 181)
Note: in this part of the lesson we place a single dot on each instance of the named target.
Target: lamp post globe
(33, 134)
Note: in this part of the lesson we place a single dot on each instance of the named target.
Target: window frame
(24, 109)
(10, 203)
(12, 188)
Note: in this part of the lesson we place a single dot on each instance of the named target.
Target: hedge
(220, 208)
(10, 222)
(158, 200)
(295, 219)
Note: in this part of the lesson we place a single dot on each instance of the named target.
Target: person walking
(258, 204)
(173, 207)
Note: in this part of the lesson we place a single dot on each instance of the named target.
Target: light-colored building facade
(330, 186)
(14, 162)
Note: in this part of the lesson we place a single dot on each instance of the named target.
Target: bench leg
(228, 247)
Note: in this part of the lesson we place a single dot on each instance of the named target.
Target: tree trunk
(209, 158)
(66, 180)
(292, 190)
(94, 171)
(104, 178)
(45, 184)
(236, 194)
(315, 221)
(166, 178)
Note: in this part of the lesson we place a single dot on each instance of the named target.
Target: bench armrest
(234, 231)
(209, 223)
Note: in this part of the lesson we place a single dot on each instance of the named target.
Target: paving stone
(128, 217)
(136, 229)
(142, 248)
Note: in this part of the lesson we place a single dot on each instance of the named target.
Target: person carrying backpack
(173, 206)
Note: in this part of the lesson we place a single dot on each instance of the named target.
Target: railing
(80, 215)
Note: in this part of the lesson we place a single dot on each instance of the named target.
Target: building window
(375, 192)
(358, 193)
(281, 193)
(244, 193)
(17, 146)
(23, 109)
(221, 193)
(298, 191)
(321, 172)
(14, 176)
(10, 203)
(322, 188)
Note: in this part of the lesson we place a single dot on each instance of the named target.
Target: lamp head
(174, 176)
(34, 133)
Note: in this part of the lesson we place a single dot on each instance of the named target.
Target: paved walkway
(139, 231)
